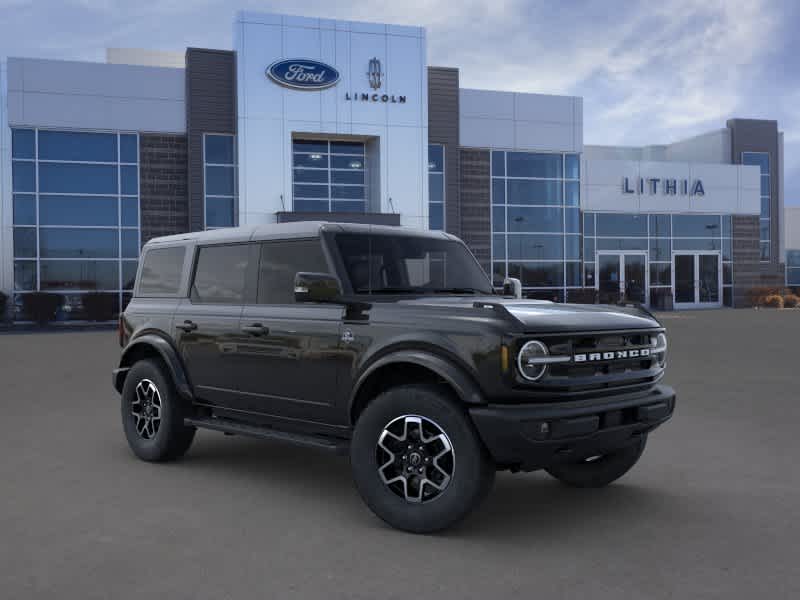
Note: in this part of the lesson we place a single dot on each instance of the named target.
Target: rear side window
(161, 271)
(280, 262)
(219, 277)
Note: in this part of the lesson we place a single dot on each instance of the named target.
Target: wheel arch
(411, 366)
(151, 345)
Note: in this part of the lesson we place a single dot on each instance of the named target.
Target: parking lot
(711, 511)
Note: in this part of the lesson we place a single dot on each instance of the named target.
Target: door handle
(187, 325)
(256, 329)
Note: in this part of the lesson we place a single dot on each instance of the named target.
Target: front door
(697, 280)
(622, 277)
(288, 369)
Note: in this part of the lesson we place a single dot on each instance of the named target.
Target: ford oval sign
(303, 74)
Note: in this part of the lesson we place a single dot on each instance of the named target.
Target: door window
(280, 262)
(219, 277)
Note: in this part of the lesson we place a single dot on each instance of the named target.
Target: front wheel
(599, 471)
(417, 461)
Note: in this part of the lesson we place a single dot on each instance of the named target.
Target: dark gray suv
(389, 345)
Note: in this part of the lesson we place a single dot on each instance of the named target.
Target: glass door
(621, 277)
(697, 280)
(609, 278)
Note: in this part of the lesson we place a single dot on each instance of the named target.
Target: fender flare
(166, 351)
(461, 382)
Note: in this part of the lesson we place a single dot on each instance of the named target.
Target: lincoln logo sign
(616, 355)
(669, 187)
(303, 74)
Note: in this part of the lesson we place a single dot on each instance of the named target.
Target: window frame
(123, 295)
(235, 167)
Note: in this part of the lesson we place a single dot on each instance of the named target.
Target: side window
(161, 271)
(219, 276)
(280, 261)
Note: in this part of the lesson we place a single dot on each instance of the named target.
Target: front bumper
(533, 436)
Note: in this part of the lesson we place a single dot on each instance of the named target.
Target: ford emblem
(303, 74)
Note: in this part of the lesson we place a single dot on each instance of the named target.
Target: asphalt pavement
(711, 511)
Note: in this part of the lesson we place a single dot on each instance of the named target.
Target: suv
(389, 345)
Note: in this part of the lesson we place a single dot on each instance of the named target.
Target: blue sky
(650, 71)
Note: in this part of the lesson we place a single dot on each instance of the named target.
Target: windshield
(401, 264)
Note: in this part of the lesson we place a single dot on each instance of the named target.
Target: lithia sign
(668, 187)
(308, 74)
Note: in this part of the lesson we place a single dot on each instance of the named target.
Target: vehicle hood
(542, 316)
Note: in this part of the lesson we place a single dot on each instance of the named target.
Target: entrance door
(697, 280)
(622, 276)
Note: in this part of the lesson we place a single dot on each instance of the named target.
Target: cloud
(649, 72)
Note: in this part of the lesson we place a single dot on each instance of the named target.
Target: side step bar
(336, 446)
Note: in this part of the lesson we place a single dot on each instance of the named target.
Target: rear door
(207, 322)
(289, 367)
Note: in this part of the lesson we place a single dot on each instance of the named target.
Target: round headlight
(660, 348)
(529, 360)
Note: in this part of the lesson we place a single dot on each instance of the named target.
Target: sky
(650, 72)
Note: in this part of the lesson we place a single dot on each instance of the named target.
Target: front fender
(149, 345)
(465, 387)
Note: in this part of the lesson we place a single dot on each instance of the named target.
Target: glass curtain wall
(75, 216)
(328, 176)
(219, 158)
(793, 268)
(659, 236)
(436, 186)
(536, 221)
(761, 160)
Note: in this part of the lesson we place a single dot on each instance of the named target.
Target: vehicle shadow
(519, 506)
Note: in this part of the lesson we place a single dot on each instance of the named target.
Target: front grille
(601, 361)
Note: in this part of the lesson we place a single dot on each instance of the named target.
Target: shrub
(790, 301)
(99, 307)
(773, 301)
(40, 307)
(757, 296)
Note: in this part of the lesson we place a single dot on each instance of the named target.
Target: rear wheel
(599, 471)
(152, 414)
(417, 461)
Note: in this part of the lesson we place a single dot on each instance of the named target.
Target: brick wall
(476, 204)
(163, 186)
(748, 271)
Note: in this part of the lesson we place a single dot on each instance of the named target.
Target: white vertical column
(6, 202)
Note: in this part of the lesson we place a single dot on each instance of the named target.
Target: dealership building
(312, 118)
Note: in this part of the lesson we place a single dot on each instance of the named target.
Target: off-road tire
(472, 469)
(171, 438)
(601, 471)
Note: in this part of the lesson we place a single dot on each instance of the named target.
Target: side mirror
(316, 287)
(512, 287)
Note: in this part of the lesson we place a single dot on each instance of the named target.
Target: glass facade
(761, 160)
(658, 237)
(436, 186)
(793, 267)
(75, 215)
(219, 168)
(328, 176)
(536, 221)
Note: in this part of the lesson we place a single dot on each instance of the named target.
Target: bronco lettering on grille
(615, 355)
